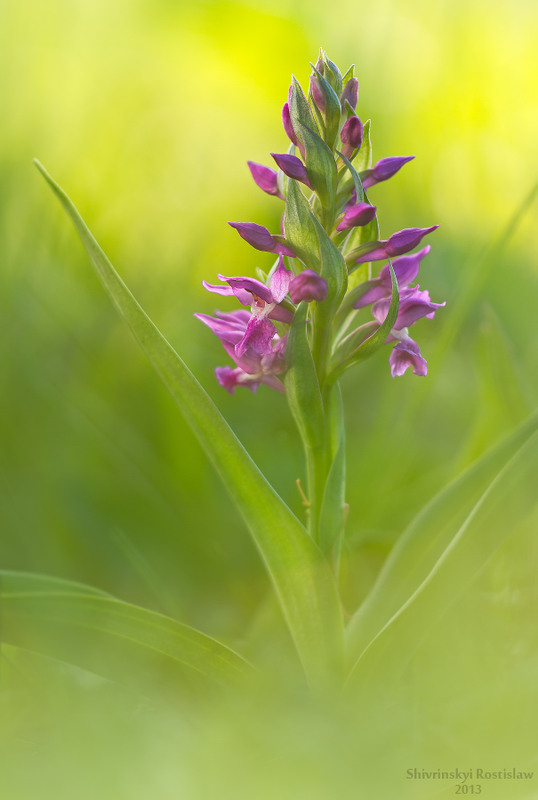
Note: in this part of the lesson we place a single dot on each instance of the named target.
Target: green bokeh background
(146, 111)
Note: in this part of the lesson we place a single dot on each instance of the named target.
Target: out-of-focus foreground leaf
(118, 640)
(300, 574)
(447, 545)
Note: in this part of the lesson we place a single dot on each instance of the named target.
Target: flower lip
(406, 354)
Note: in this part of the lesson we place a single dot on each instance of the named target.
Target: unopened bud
(308, 285)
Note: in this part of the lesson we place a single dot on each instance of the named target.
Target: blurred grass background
(146, 113)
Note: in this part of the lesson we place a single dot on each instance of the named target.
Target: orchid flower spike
(328, 229)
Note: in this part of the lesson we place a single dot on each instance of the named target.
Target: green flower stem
(326, 481)
(316, 472)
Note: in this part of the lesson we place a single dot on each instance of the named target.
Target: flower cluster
(327, 250)
(252, 340)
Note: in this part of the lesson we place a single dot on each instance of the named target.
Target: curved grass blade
(449, 543)
(117, 640)
(300, 574)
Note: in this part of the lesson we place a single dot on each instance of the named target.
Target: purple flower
(383, 170)
(359, 214)
(253, 332)
(265, 178)
(260, 238)
(264, 300)
(258, 353)
(350, 94)
(258, 336)
(228, 326)
(308, 285)
(399, 243)
(351, 136)
(414, 304)
(293, 167)
(317, 94)
(406, 354)
(288, 127)
(406, 270)
(280, 281)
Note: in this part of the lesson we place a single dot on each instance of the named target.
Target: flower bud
(350, 94)
(351, 136)
(317, 94)
(293, 167)
(383, 170)
(396, 245)
(288, 127)
(359, 214)
(308, 285)
(265, 178)
(260, 238)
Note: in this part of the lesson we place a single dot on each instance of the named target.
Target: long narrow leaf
(83, 626)
(449, 543)
(301, 576)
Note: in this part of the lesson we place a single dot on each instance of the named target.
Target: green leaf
(363, 160)
(362, 250)
(117, 640)
(302, 387)
(333, 75)
(300, 111)
(333, 269)
(447, 545)
(349, 74)
(300, 228)
(300, 574)
(332, 517)
(305, 400)
(322, 172)
(333, 108)
(361, 195)
(349, 344)
(358, 242)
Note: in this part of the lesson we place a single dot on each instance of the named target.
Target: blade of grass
(91, 629)
(299, 572)
(448, 545)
